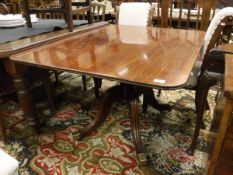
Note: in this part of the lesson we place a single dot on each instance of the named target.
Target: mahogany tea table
(139, 58)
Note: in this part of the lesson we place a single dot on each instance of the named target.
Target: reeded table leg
(131, 94)
(103, 109)
(135, 126)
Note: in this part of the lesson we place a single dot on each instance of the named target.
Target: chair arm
(215, 61)
(225, 48)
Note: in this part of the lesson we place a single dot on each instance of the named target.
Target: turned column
(22, 85)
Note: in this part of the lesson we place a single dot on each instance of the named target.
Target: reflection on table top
(157, 57)
(16, 46)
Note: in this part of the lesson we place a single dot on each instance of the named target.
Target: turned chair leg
(144, 104)
(98, 84)
(200, 107)
(84, 80)
(159, 93)
(56, 76)
(48, 89)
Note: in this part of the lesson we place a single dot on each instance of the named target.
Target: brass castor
(142, 158)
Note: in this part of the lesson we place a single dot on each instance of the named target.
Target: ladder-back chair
(209, 70)
(194, 14)
(65, 7)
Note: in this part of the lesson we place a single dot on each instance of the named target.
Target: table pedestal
(130, 93)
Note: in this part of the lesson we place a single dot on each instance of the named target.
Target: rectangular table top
(154, 57)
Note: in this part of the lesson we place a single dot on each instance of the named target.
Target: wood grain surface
(155, 57)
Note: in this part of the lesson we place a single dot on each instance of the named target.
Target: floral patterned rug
(109, 150)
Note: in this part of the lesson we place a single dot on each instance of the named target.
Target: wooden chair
(63, 8)
(44, 4)
(98, 12)
(195, 14)
(190, 14)
(207, 70)
(180, 14)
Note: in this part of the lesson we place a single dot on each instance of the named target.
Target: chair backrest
(98, 12)
(46, 4)
(219, 30)
(135, 14)
(184, 13)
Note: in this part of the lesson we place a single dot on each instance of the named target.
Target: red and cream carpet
(109, 150)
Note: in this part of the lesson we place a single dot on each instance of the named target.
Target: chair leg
(98, 84)
(144, 104)
(26, 13)
(2, 128)
(48, 89)
(68, 15)
(56, 76)
(84, 80)
(204, 84)
(159, 93)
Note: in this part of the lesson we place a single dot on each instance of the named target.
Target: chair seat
(8, 164)
(193, 78)
(215, 68)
